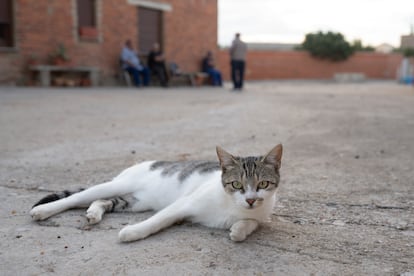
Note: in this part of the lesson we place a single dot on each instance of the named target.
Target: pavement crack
(392, 207)
(351, 205)
(26, 188)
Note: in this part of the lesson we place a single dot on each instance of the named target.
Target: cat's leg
(99, 207)
(243, 228)
(105, 190)
(171, 214)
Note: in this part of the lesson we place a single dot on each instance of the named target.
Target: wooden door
(149, 29)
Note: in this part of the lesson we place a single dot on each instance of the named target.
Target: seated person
(131, 63)
(209, 68)
(156, 63)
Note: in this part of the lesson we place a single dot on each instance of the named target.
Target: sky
(288, 21)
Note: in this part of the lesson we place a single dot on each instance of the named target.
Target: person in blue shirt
(208, 66)
(131, 63)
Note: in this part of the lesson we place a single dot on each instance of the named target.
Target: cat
(236, 193)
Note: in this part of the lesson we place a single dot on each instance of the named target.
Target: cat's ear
(225, 158)
(274, 157)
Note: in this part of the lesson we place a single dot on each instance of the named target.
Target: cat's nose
(251, 201)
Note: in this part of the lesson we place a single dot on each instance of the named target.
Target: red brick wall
(190, 29)
(300, 65)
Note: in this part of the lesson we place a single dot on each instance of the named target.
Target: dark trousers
(137, 74)
(215, 76)
(161, 73)
(237, 73)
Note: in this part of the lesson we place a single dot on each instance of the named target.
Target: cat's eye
(237, 185)
(263, 185)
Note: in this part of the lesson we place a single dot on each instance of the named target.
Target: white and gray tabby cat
(235, 193)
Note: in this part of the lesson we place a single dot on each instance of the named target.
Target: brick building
(93, 32)
(407, 41)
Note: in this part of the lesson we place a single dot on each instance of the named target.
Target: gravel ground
(346, 199)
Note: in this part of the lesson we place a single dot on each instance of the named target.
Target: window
(149, 28)
(86, 19)
(6, 23)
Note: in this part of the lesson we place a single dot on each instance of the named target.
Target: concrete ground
(346, 199)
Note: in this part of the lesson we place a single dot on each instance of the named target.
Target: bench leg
(44, 78)
(191, 78)
(94, 76)
(127, 78)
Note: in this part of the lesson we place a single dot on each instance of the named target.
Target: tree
(332, 46)
(357, 46)
(406, 52)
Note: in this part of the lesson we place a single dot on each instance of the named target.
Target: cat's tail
(56, 196)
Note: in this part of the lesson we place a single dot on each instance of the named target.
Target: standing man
(238, 51)
(131, 63)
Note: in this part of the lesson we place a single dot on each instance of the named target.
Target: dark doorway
(149, 29)
(6, 23)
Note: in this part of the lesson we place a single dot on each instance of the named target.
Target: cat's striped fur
(185, 168)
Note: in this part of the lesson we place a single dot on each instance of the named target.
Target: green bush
(357, 46)
(406, 52)
(328, 45)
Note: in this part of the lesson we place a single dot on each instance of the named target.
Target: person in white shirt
(131, 63)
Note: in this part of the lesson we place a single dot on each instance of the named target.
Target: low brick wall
(263, 65)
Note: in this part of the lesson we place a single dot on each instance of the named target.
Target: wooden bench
(45, 72)
(201, 78)
(193, 78)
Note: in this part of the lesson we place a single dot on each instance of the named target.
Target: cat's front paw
(132, 233)
(238, 232)
(237, 236)
(243, 228)
(93, 216)
(39, 213)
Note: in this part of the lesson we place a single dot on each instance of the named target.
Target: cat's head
(250, 180)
